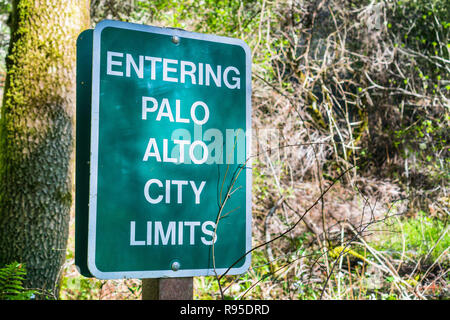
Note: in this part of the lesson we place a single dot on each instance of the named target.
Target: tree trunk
(36, 137)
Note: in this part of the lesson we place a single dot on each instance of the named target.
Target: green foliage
(421, 29)
(238, 287)
(80, 288)
(218, 17)
(418, 236)
(411, 111)
(422, 24)
(11, 282)
(372, 77)
(260, 187)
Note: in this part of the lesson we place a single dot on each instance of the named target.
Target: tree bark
(36, 137)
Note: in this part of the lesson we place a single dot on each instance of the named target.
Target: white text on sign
(172, 70)
(174, 233)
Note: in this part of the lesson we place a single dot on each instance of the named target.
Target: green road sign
(166, 164)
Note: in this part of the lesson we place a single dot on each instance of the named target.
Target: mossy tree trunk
(36, 137)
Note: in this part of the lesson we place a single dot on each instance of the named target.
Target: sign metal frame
(94, 147)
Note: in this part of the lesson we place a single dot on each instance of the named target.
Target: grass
(422, 236)
(402, 258)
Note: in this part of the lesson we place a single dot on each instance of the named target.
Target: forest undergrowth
(350, 151)
(350, 154)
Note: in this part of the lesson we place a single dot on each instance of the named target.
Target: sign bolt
(176, 39)
(175, 266)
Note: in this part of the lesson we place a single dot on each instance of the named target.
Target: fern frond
(11, 282)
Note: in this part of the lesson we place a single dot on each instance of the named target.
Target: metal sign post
(163, 178)
(167, 289)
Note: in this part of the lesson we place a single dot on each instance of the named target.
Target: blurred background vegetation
(351, 158)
